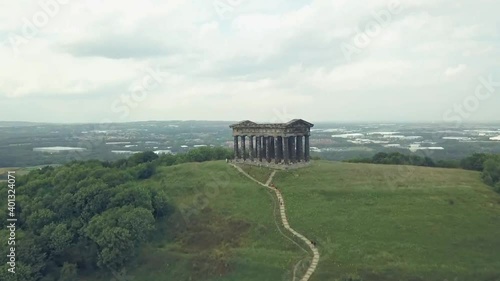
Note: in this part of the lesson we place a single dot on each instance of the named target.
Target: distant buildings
(118, 142)
(58, 149)
(124, 151)
(382, 133)
(315, 149)
(164, 151)
(345, 136)
(392, 145)
(416, 146)
(457, 138)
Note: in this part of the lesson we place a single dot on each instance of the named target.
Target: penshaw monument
(277, 143)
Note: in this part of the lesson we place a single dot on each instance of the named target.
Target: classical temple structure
(281, 143)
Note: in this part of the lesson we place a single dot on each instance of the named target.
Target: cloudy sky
(321, 60)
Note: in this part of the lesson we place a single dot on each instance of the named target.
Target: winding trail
(286, 225)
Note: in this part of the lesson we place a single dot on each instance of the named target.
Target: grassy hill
(384, 222)
(224, 229)
(376, 222)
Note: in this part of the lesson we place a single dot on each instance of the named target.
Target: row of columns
(285, 150)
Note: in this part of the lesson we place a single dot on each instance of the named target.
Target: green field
(377, 222)
(384, 222)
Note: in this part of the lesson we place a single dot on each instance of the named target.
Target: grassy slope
(379, 222)
(259, 173)
(231, 222)
(396, 222)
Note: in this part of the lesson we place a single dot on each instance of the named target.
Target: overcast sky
(320, 60)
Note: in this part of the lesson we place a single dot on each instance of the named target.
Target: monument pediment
(245, 123)
(298, 122)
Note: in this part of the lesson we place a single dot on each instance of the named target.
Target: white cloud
(453, 71)
(267, 55)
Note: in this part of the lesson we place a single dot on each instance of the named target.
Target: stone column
(271, 148)
(243, 150)
(280, 148)
(306, 148)
(236, 149)
(264, 144)
(250, 140)
(268, 149)
(291, 147)
(300, 156)
(276, 150)
(255, 153)
(285, 150)
(261, 146)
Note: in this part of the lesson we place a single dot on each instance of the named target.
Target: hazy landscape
(234, 140)
(32, 144)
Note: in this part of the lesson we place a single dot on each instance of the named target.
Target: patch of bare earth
(209, 238)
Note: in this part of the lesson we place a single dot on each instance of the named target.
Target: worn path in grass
(284, 220)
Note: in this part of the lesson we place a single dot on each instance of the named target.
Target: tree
(92, 198)
(68, 272)
(145, 171)
(117, 248)
(160, 204)
(115, 177)
(491, 172)
(58, 237)
(140, 158)
(91, 214)
(474, 162)
(134, 196)
(497, 187)
(23, 272)
(379, 158)
(40, 218)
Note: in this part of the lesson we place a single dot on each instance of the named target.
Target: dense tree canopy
(88, 215)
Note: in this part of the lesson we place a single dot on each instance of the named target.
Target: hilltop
(372, 222)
